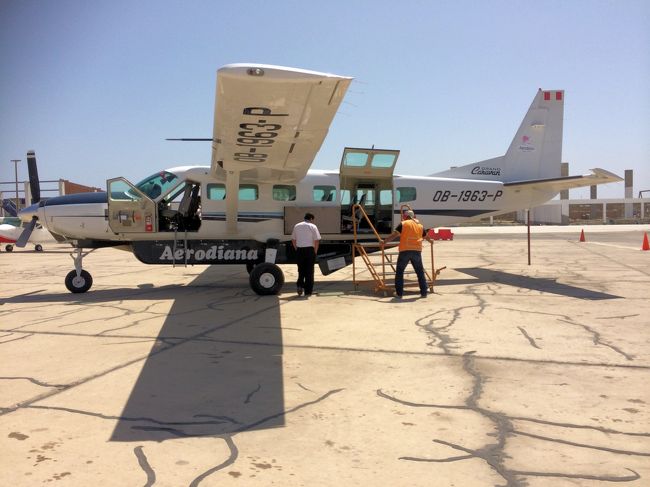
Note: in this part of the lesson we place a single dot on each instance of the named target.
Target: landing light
(255, 71)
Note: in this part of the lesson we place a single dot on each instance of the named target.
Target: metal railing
(379, 280)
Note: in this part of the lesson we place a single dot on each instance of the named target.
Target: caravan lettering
(216, 252)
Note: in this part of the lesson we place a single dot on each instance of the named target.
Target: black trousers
(306, 257)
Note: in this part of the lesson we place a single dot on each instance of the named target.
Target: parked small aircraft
(9, 234)
(11, 229)
(269, 123)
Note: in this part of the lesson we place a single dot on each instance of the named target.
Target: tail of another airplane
(535, 152)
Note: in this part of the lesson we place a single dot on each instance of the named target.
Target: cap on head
(410, 214)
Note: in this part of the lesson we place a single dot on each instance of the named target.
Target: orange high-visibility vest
(411, 236)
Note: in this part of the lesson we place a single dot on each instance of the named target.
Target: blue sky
(96, 86)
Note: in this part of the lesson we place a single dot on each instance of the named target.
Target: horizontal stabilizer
(555, 185)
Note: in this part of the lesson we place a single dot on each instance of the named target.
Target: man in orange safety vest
(411, 233)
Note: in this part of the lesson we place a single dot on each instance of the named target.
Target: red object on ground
(646, 245)
(582, 235)
(443, 234)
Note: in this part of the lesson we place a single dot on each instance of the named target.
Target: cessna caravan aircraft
(270, 122)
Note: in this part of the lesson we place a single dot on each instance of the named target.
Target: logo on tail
(526, 144)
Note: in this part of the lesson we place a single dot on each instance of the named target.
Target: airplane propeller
(35, 190)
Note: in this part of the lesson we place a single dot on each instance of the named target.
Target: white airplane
(9, 235)
(270, 122)
(11, 228)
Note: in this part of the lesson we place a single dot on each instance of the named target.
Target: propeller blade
(24, 237)
(9, 207)
(34, 184)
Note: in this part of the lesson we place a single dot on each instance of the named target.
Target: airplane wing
(555, 185)
(270, 121)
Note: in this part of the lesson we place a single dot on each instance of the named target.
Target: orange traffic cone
(582, 235)
(646, 245)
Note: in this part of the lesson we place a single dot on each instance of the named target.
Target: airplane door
(365, 173)
(129, 209)
(368, 163)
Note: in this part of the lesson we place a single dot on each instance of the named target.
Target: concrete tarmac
(508, 375)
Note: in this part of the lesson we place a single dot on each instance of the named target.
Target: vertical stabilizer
(535, 151)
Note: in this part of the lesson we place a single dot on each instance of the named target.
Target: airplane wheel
(266, 279)
(38, 248)
(78, 284)
(9, 248)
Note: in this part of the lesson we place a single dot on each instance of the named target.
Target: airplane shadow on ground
(216, 367)
(546, 285)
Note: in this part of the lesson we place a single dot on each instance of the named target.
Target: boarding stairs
(380, 259)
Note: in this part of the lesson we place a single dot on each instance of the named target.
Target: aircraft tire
(38, 248)
(78, 284)
(266, 279)
(9, 248)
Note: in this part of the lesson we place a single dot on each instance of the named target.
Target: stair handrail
(380, 241)
(366, 217)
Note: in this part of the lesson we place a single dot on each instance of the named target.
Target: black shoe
(299, 291)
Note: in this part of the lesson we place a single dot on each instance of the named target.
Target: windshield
(158, 184)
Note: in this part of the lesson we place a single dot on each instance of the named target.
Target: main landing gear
(37, 247)
(266, 279)
(79, 280)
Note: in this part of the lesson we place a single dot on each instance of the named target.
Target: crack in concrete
(287, 411)
(234, 453)
(581, 445)
(16, 339)
(252, 393)
(175, 340)
(144, 465)
(629, 478)
(597, 339)
(37, 382)
(528, 337)
(493, 454)
(580, 426)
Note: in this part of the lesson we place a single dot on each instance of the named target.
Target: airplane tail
(535, 151)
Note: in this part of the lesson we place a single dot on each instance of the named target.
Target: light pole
(16, 161)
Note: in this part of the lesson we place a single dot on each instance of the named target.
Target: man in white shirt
(305, 239)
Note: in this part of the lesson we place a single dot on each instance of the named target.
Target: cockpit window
(158, 184)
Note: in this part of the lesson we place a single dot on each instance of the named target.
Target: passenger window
(248, 192)
(283, 192)
(406, 194)
(324, 193)
(216, 191)
(386, 197)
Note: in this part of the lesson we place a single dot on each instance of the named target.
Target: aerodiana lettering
(215, 252)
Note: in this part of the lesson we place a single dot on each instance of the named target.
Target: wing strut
(232, 200)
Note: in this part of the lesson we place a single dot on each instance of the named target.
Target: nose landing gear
(79, 280)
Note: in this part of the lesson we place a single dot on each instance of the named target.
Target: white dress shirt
(305, 233)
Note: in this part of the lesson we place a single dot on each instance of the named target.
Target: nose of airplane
(28, 213)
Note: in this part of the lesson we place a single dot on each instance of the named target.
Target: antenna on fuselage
(192, 140)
